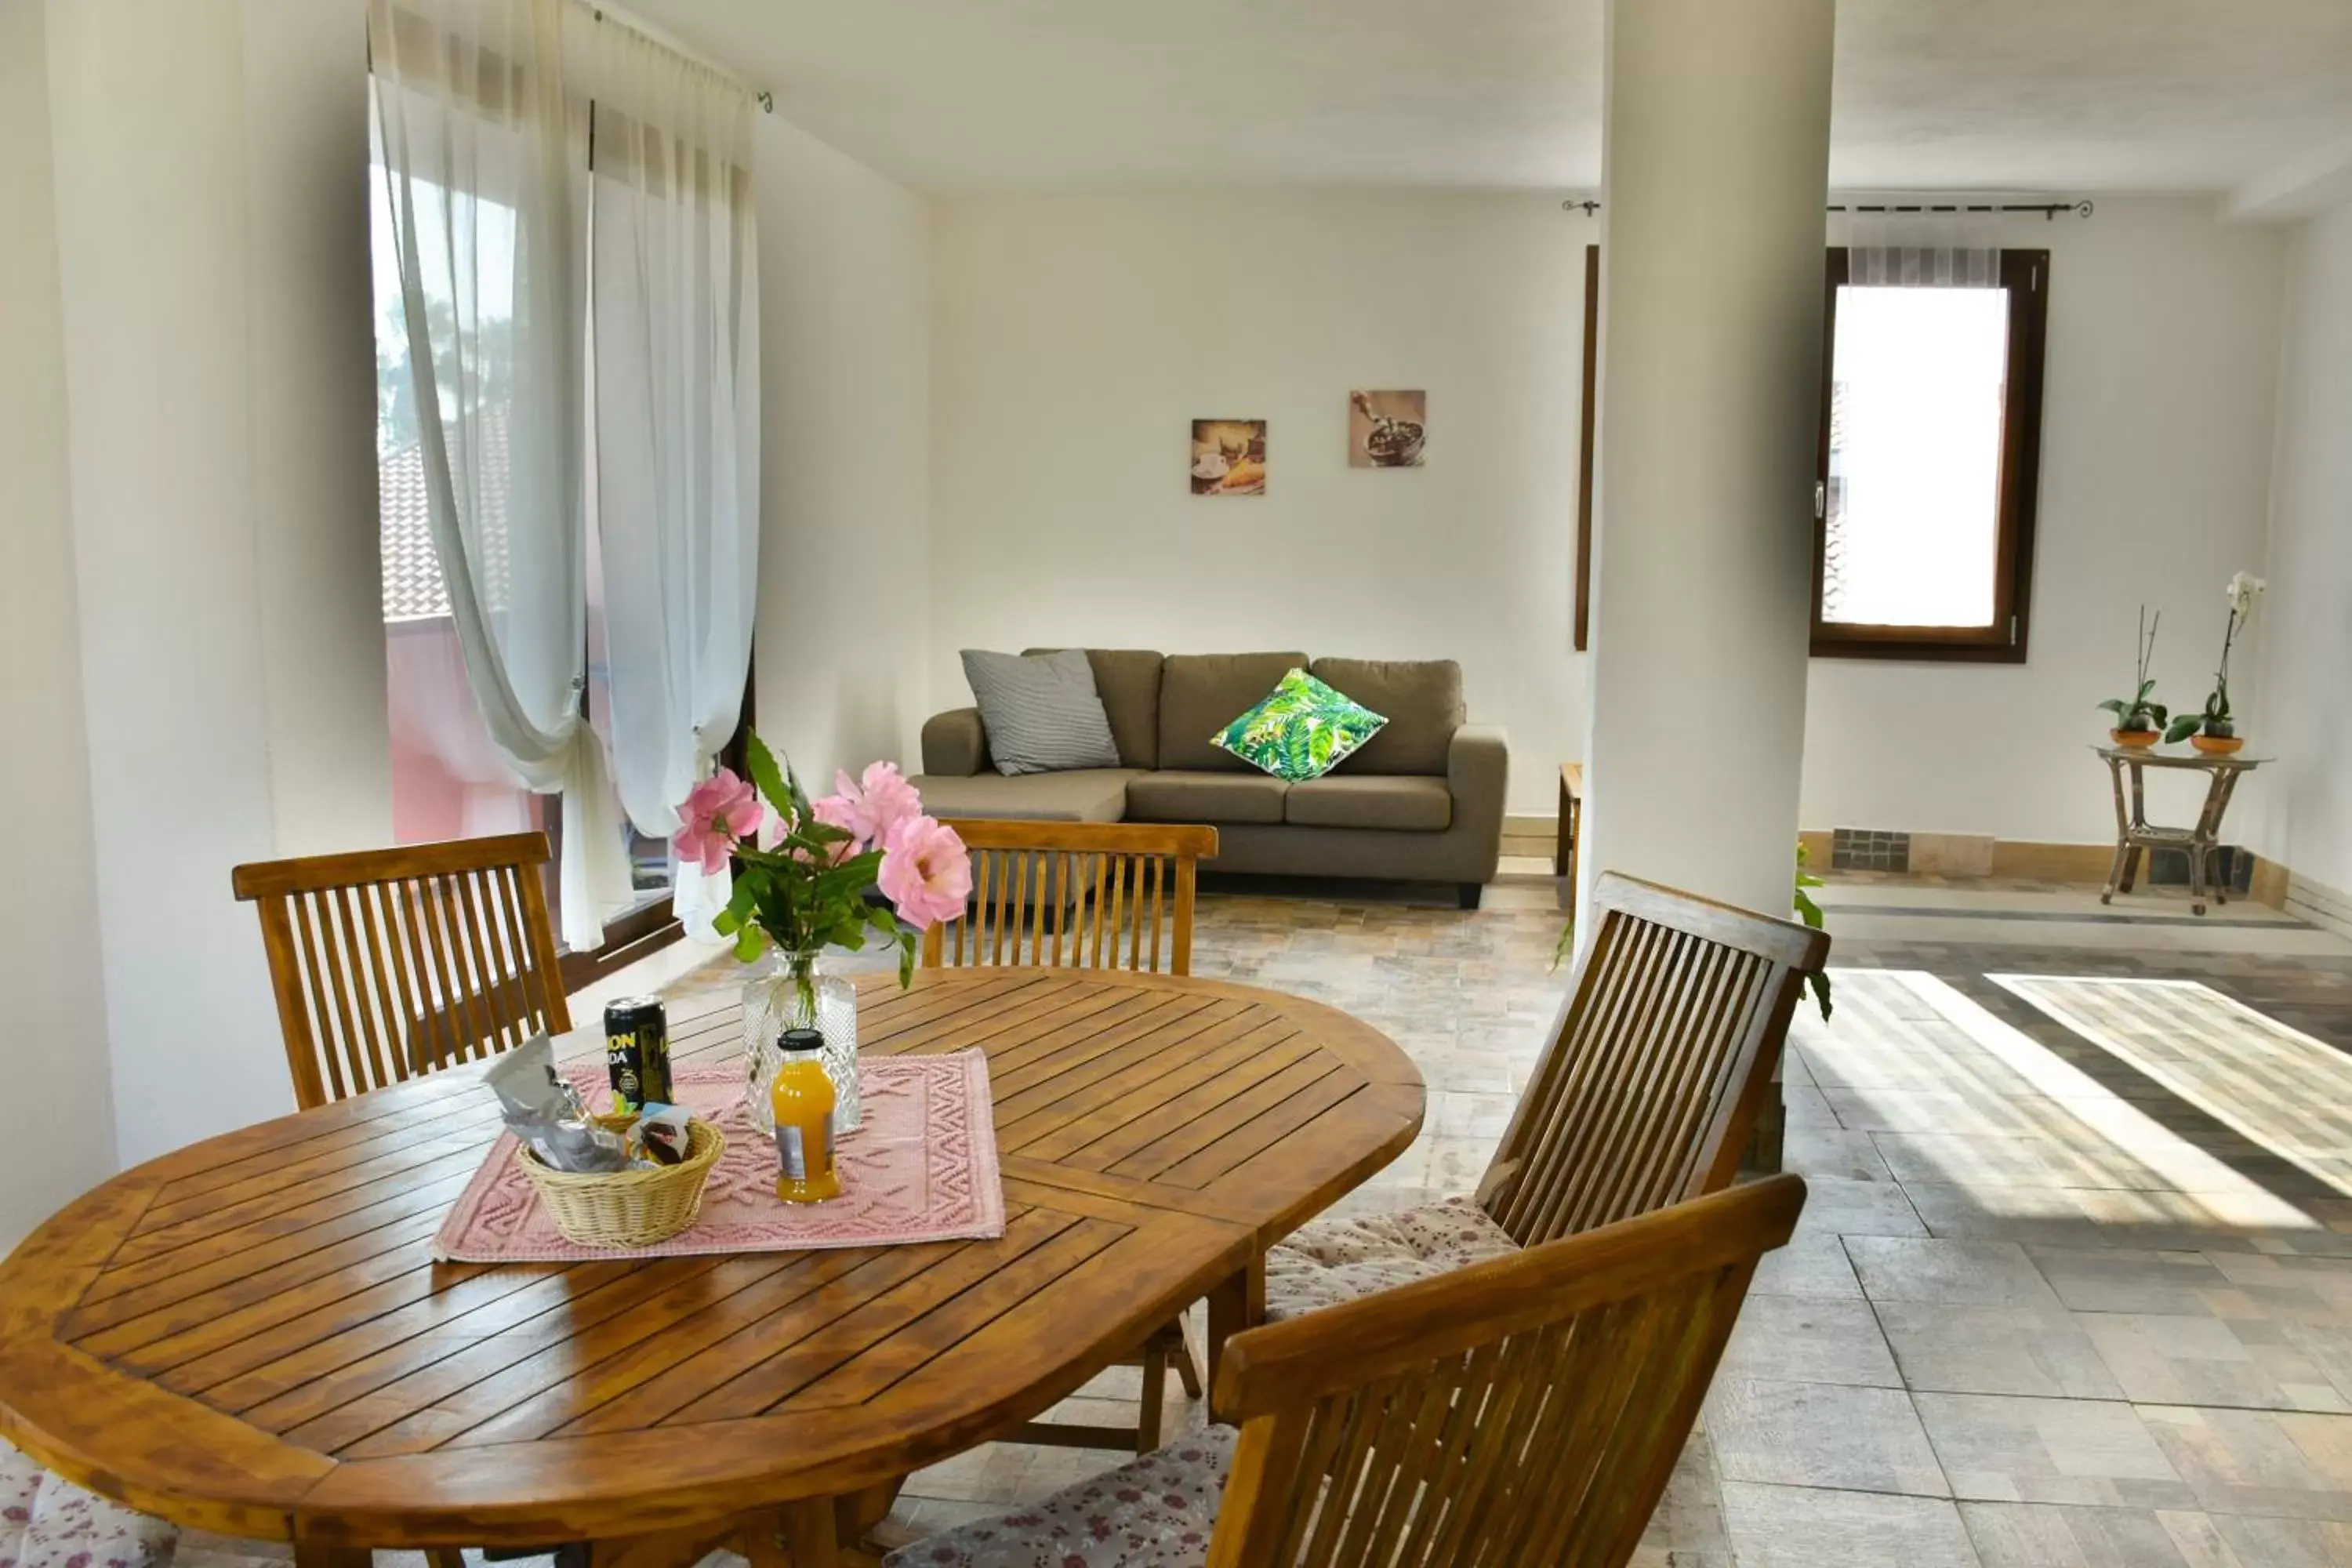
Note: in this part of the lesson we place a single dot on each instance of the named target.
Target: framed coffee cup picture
(1228, 457)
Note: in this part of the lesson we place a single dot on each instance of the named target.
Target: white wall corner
(50, 939)
(2299, 188)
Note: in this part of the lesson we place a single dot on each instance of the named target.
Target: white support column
(1715, 171)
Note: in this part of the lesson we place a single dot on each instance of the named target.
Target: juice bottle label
(801, 1157)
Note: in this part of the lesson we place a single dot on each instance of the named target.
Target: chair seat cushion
(1082, 794)
(1153, 1513)
(46, 1522)
(1399, 802)
(1330, 1261)
(1166, 796)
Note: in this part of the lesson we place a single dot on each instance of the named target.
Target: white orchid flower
(2243, 589)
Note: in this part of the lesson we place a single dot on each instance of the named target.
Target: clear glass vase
(800, 991)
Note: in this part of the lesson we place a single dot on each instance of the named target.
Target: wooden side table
(2134, 833)
(1571, 812)
(1572, 820)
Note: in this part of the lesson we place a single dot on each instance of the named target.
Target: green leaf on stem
(769, 778)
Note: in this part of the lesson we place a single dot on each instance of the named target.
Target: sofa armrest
(955, 744)
(1478, 776)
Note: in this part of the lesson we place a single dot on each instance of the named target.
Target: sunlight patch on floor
(2275, 1086)
(1906, 1041)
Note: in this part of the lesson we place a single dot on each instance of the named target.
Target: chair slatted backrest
(1526, 1410)
(1084, 895)
(391, 962)
(1659, 1065)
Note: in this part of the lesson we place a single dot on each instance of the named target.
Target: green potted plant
(2213, 731)
(2140, 720)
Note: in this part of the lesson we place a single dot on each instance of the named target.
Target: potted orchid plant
(2214, 731)
(2139, 717)
(803, 870)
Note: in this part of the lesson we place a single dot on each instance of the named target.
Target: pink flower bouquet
(802, 866)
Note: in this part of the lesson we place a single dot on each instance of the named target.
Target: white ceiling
(2046, 95)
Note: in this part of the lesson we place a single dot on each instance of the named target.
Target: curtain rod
(2047, 209)
(653, 35)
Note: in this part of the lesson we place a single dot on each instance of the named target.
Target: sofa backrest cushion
(1128, 681)
(1422, 698)
(1201, 693)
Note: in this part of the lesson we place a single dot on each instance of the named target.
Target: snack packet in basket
(545, 1113)
(662, 1133)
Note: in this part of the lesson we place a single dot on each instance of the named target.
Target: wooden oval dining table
(251, 1334)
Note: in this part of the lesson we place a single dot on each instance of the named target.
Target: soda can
(636, 1052)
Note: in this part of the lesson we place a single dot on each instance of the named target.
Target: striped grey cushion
(1040, 711)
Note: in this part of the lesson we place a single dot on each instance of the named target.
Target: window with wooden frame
(1930, 454)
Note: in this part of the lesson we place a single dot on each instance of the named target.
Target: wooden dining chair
(1087, 895)
(1076, 894)
(1526, 1410)
(1659, 1067)
(388, 963)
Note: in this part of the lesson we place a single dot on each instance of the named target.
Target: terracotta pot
(2135, 740)
(2216, 745)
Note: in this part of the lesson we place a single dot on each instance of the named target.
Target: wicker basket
(627, 1208)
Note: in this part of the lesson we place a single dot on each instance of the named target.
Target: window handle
(1821, 499)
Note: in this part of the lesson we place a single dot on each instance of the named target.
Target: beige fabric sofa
(1421, 802)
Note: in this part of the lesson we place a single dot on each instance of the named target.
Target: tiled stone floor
(2071, 1291)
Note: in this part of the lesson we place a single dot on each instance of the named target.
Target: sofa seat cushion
(1082, 794)
(1156, 1511)
(1201, 693)
(1329, 1261)
(1400, 801)
(1205, 797)
(1422, 700)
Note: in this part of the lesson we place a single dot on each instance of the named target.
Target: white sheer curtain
(1922, 249)
(484, 153)
(675, 264)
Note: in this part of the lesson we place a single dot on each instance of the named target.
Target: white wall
(55, 1045)
(2156, 449)
(1076, 338)
(220, 375)
(2305, 718)
(845, 587)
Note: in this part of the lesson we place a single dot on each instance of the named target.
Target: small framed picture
(1387, 429)
(1228, 457)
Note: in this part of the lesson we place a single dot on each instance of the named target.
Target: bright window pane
(1914, 503)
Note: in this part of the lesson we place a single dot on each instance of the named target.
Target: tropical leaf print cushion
(1303, 730)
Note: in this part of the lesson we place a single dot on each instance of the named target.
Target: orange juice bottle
(803, 1099)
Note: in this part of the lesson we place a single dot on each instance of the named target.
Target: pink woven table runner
(922, 1168)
